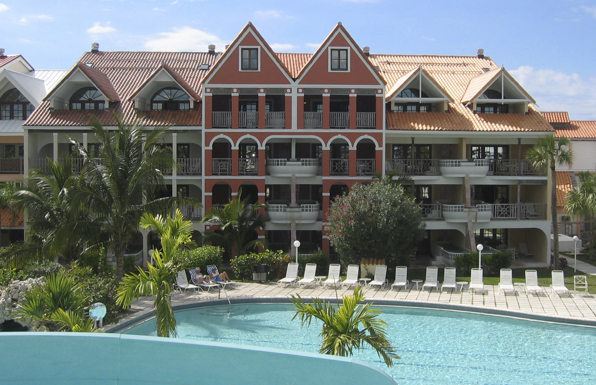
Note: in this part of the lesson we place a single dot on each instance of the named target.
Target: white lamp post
(480, 248)
(575, 239)
(296, 245)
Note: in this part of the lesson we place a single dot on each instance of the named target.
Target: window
(170, 99)
(88, 98)
(490, 152)
(249, 59)
(491, 237)
(14, 106)
(411, 93)
(404, 151)
(492, 108)
(339, 59)
(12, 151)
(491, 94)
(411, 107)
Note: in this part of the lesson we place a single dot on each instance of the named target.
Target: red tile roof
(4, 60)
(10, 219)
(578, 129)
(564, 185)
(126, 71)
(556, 117)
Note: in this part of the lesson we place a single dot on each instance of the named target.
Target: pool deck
(576, 308)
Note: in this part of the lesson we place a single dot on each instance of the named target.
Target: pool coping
(147, 314)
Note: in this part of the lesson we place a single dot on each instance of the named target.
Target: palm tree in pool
(547, 153)
(238, 223)
(582, 201)
(120, 182)
(349, 326)
(157, 281)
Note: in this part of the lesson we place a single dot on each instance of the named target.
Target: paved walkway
(574, 308)
(582, 266)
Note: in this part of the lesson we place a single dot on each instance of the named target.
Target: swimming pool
(435, 346)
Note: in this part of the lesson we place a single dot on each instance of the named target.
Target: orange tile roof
(294, 62)
(4, 60)
(578, 129)
(556, 117)
(126, 71)
(10, 219)
(564, 185)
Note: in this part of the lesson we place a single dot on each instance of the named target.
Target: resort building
(22, 89)
(296, 130)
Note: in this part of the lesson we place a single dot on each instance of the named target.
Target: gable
(360, 70)
(418, 79)
(227, 70)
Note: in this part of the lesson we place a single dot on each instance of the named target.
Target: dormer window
(491, 94)
(88, 98)
(170, 99)
(411, 93)
(338, 59)
(492, 108)
(249, 59)
(14, 106)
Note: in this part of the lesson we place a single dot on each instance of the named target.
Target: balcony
(365, 167)
(366, 120)
(514, 167)
(313, 120)
(284, 214)
(461, 213)
(413, 166)
(484, 212)
(188, 166)
(222, 119)
(275, 119)
(12, 165)
(339, 167)
(300, 168)
(248, 119)
(191, 213)
(463, 167)
(222, 166)
(339, 119)
(248, 166)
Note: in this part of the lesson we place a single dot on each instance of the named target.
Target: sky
(547, 45)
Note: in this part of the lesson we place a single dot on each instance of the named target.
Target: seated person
(217, 276)
(197, 278)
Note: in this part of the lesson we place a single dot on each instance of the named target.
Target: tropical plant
(59, 292)
(276, 262)
(375, 220)
(120, 182)
(238, 222)
(68, 319)
(200, 257)
(157, 281)
(349, 326)
(547, 153)
(582, 201)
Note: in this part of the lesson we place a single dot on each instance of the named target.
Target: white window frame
(330, 49)
(258, 48)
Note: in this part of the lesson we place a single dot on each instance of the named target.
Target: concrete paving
(577, 308)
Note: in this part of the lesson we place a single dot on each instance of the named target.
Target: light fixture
(480, 248)
(575, 239)
(296, 245)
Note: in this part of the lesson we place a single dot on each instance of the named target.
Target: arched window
(170, 99)
(88, 98)
(14, 106)
(411, 93)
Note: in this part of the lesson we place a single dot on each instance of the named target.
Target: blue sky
(547, 45)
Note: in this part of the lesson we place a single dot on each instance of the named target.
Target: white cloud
(590, 10)
(42, 17)
(268, 14)
(98, 29)
(427, 38)
(183, 39)
(558, 91)
(158, 9)
(277, 47)
(3, 7)
(314, 46)
(23, 21)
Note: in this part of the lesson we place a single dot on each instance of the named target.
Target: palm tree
(238, 222)
(58, 226)
(582, 202)
(547, 152)
(350, 326)
(157, 281)
(119, 184)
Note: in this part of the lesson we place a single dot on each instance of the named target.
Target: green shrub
(276, 261)
(43, 269)
(492, 263)
(97, 260)
(320, 258)
(200, 257)
(7, 275)
(464, 263)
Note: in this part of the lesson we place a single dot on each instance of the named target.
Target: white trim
(242, 47)
(331, 48)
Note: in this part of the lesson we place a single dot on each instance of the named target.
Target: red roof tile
(564, 185)
(10, 219)
(556, 117)
(4, 60)
(578, 129)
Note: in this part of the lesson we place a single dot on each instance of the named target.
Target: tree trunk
(554, 217)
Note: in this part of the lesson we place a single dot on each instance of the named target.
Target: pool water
(435, 346)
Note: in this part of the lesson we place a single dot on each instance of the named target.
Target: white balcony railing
(413, 166)
(191, 213)
(222, 119)
(366, 119)
(313, 120)
(275, 119)
(514, 167)
(12, 165)
(463, 167)
(365, 167)
(248, 166)
(285, 168)
(248, 119)
(339, 167)
(304, 213)
(189, 166)
(222, 166)
(339, 119)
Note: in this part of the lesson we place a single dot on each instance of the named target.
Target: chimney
(226, 46)
(95, 47)
(211, 48)
(480, 53)
(2, 52)
(366, 50)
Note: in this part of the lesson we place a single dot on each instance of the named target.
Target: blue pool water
(435, 346)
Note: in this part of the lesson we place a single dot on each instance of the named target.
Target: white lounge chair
(432, 278)
(532, 282)
(380, 279)
(401, 277)
(351, 276)
(506, 281)
(558, 284)
(291, 275)
(309, 274)
(523, 251)
(333, 278)
(449, 279)
(182, 282)
(476, 281)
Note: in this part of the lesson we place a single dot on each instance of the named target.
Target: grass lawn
(544, 277)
